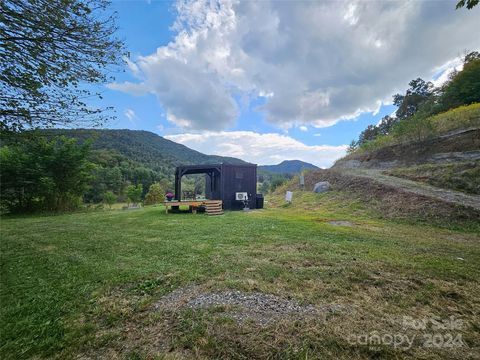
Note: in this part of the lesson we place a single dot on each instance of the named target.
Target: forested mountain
(269, 177)
(144, 147)
(288, 167)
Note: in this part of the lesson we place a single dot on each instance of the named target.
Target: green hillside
(144, 147)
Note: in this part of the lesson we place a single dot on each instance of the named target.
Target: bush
(109, 198)
(156, 192)
(416, 128)
(378, 143)
(134, 193)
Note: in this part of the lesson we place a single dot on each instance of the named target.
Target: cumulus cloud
(303, 128)
(258, 148)
(314, 63)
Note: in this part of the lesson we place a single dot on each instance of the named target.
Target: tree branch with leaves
(51, 52)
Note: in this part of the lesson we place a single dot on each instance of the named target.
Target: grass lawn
(85, 284)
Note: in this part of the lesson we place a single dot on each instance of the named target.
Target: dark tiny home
(222, 182)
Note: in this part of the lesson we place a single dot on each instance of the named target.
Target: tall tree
(386, 125)
(49, 51)
(419, 93)
(41, 174)
(369, 134)
(464, 86)
(352, 147)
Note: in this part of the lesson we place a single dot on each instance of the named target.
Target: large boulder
(321, 187)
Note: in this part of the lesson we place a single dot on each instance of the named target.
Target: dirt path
(451, 196)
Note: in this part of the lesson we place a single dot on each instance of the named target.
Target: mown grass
(84, 284)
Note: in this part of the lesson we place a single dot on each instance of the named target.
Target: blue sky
(272, 81)
(143, 27)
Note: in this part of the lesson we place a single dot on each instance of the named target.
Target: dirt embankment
(452, 147)
(392, 200)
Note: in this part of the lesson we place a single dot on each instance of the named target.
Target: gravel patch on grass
(341, 223)
(257, 307)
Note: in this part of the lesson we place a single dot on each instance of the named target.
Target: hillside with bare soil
(393, 197)
(434, 175)
(451, 147)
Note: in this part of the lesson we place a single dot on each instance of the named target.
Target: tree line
(423, 100)
(40, 173)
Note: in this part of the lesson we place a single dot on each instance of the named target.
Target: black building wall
(239, 178)
(222, 181)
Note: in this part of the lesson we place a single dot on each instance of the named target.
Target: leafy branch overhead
(468, 3)
(50, 50)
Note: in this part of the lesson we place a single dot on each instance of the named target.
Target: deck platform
(212, 207)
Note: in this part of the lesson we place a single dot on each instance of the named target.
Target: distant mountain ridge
(147, 148)
(288, 167)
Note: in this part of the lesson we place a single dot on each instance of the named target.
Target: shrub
(109, 198)
(134, 193)
(416, 128)
(156, 192)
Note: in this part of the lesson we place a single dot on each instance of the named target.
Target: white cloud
(131, 88)
(258, 148)
(442, 73)
(303, 128)
(132, 117)
(132, 66)
(313, 62)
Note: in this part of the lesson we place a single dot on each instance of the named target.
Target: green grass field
(83, 284)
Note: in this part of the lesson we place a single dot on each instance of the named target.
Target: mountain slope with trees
(288, 167)
(144, 147)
